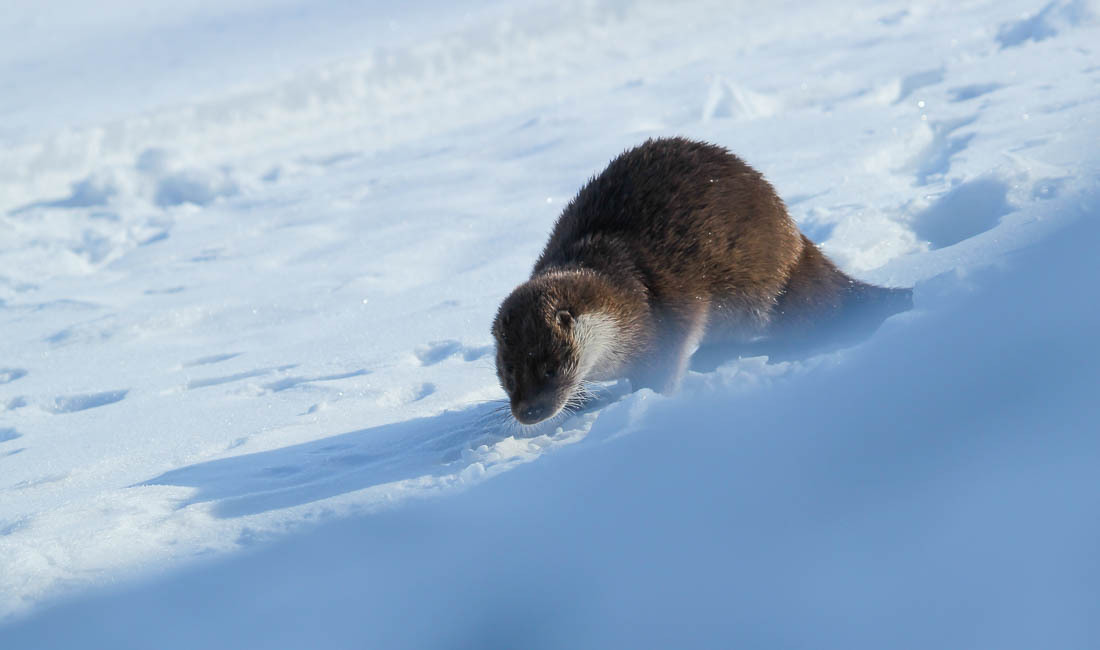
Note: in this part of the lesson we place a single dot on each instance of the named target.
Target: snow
(249, 257)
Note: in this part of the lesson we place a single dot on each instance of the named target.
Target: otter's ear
(565, 319)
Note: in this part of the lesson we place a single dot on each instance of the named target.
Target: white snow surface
(249, 257)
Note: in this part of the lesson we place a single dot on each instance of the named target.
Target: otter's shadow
(311, 471)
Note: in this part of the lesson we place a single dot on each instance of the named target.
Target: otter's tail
(866, 306)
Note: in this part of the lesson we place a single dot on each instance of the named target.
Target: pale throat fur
(602, 351)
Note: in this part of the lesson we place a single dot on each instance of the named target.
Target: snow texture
(249, 256)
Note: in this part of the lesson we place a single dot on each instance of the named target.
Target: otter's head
(537, 355)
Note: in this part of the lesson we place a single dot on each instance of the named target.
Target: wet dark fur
(683, 245)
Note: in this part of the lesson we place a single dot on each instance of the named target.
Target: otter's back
(682, 218)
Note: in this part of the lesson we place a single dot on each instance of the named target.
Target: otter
(677, 245)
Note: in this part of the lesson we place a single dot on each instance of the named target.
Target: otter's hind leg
(820, 309)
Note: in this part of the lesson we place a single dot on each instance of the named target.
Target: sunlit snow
(249, 257)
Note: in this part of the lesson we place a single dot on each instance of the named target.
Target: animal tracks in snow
(438, 351)
(967, 210)
(13, 403)
(1054, 18)
(8, 375)
(422, 391)
(934, 160)
(401, 396)
(294, 382)
(913, 82)
(83, 402)
(225, 379)
(277, 386)
(213, 358)
(972, 91)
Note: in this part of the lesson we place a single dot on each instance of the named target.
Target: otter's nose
(530, 413)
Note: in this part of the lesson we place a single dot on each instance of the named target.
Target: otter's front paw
(663, 381)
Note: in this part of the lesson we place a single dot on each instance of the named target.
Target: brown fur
(682, 244)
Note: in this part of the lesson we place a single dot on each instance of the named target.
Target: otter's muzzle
(533, 411)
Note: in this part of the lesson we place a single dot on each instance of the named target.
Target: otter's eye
(550, 373)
